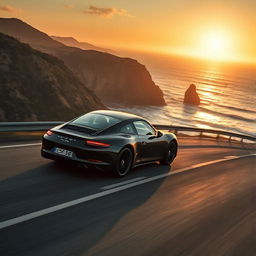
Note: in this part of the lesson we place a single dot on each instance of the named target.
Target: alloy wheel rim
(170, 153)
(125, 162)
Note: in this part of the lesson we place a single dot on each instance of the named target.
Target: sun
(215, 45)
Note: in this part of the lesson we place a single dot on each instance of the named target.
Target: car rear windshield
(96, 122)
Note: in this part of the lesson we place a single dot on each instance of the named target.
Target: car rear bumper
(51, 155)
(87, 156)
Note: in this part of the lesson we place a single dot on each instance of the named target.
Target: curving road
(203, 205)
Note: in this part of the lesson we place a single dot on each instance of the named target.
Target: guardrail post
(201, 133)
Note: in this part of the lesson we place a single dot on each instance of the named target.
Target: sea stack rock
(191, 96)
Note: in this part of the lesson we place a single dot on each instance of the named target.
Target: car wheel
(124, 162)
(170, 154)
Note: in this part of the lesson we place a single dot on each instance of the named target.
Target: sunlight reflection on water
(228, 95)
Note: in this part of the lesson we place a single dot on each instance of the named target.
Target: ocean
(227, 92)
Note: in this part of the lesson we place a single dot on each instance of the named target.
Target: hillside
(113, 79)
(36, 86)
(70, 41)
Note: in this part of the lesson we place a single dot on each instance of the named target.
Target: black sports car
(111, 140)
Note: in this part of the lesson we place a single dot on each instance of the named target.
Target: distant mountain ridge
(35, 86)
(25, 33)
(71, 41)
(114, 80)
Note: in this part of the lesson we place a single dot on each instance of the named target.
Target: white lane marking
(208, 163)
(59, 207)
(21, 145)
(230, 157)
(122, 183)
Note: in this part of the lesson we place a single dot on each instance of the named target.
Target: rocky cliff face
(36, 86)
(113, 79)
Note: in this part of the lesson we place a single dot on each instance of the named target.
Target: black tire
(124, 162)
(170, 155)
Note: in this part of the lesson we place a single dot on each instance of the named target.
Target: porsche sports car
(111, 140)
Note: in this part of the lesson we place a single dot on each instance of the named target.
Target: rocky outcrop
(191, 96)
(114, 79)
(36, 86)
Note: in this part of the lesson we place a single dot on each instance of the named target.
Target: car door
(148, 140)
(129, 129)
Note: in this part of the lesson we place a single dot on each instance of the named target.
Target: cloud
(106, 12)
(8, 8)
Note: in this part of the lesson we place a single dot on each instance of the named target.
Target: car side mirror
(159, 134)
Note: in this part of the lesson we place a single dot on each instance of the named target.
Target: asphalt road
(204, 204)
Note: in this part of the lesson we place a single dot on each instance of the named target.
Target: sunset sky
(220, 29)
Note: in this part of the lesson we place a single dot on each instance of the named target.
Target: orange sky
(221, 30)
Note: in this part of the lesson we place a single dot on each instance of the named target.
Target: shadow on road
(72, 231)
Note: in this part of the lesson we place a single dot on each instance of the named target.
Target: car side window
(143, 128)
(127, 129)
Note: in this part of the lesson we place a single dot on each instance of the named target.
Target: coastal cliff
(36, 86)
(114, 80)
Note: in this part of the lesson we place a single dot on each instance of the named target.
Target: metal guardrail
(43, 126)
(27, 126)
(201, 131)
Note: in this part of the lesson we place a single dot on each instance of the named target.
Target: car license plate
(63, 152)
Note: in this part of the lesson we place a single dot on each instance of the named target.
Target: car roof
(118, 114)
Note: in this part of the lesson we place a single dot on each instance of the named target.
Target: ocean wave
(233, 116)
(214, 125)
(226, 128)
(237, 109)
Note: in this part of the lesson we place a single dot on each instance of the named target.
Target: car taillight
(49, 133)
(97, 144)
